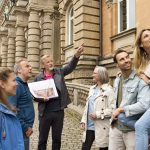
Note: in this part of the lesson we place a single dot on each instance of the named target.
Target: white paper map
(43, 89)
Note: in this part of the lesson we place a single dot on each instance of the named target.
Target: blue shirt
(90, 123)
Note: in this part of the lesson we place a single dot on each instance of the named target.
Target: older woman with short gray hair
(99, 106)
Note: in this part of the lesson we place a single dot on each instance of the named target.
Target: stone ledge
(75, 111)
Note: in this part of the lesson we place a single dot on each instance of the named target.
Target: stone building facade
(121, 21)
(32, 28)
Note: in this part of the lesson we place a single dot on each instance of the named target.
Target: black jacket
(58, 76)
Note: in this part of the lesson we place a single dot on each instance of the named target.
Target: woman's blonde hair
(140, 56)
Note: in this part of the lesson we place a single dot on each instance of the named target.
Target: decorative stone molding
(21, 15)
(124, 40)
(22, 3)
(56, 15)
(35, 6)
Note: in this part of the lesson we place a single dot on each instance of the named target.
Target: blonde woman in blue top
(11, 137)
(142, 65)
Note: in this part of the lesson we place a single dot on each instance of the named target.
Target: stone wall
(37, 27)
(86, 30)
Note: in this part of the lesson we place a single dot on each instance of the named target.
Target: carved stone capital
(56, 15)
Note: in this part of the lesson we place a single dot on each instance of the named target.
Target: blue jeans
(142, 130)
(129, 121)
(26, 142)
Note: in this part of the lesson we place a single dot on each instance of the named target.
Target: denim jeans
(142, 130)
(26, 142)
(129, 121)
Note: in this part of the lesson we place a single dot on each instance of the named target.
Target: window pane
(71, 32)
(122, 15)
(131, 14)
(126, 14)
(70, 27)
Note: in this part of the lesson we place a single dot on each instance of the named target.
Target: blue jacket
(23, 101)
(136, 94)
(11, 137)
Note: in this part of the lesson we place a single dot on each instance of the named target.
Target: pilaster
(4, 47)
(11, 42)
(20, 43)
(21, 23)
(34, 39)
(46, 34)
(55, 17)
(39, 30)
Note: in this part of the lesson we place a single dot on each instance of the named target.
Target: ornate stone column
(46, 33)
(11, 44)
(55, 17)
(20, 43)
(21, 23)
(11, 51)
(34, 39)
(4, 48)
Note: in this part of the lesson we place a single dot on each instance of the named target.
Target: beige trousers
(121, 141)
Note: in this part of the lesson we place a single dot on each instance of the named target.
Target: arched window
(70, 26)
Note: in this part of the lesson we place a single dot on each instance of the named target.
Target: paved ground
(71, 136)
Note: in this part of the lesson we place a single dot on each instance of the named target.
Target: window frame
(130, 15)
(70, 26)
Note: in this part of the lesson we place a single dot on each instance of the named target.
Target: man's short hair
(17, 65)
(42, 60)
(118, 51)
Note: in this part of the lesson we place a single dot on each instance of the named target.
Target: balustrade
(78, 93)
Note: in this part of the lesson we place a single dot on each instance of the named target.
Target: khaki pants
(121, 141)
